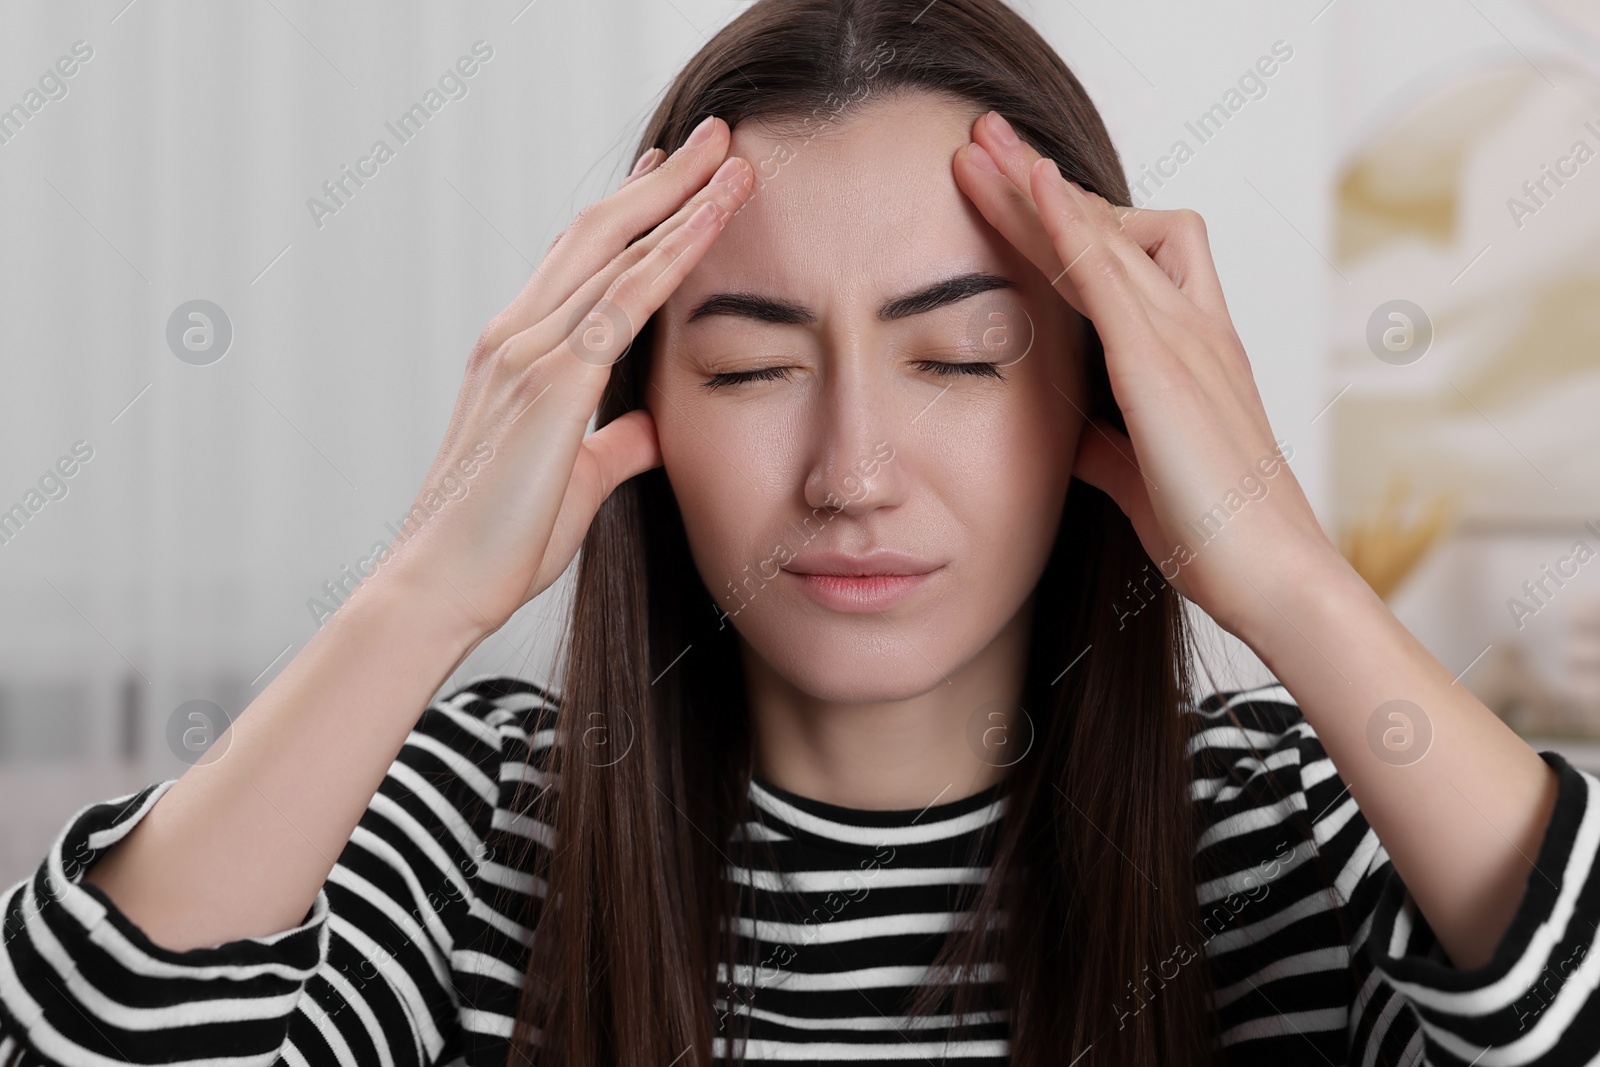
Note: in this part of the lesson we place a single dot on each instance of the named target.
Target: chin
(857, 665)
(863, 683)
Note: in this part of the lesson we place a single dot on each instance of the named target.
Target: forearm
(1462, 823)
(242, 842)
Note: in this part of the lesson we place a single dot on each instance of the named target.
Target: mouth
(858, 583)
(860, 593)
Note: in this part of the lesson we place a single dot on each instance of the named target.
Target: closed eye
(764, 374)
(767, 374)
(982, 370)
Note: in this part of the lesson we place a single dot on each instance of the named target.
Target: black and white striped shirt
(850, 910)
(413, 952)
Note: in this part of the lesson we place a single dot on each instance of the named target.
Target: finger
(1011, 211)
(576, 369)
(607, 226)
(1112, 299)
(1018, 218)
(580, 306)
(604, 228)
(649, 161)
(1177, 242)
(1014, 158)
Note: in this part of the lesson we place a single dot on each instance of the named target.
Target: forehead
(852, 207)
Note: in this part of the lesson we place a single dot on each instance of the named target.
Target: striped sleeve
(81, 984)
(1533, 1003)
(372, 975)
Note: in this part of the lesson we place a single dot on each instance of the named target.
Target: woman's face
(849, 441)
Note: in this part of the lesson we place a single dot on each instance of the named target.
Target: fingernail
(730, 166)
(644, 163)
(701, 132)
(982, 159)
(1002, 130)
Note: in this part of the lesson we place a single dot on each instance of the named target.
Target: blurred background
(227, 364)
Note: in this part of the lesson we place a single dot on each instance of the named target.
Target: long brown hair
(1093, 862)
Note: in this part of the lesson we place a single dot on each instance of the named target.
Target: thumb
(622, 448)
(1106, 461)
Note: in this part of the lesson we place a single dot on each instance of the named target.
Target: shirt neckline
(886, 817)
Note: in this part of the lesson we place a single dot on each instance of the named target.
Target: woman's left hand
(1249, 551)
(1202, 479)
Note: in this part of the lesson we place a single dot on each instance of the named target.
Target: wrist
(426, 603)
(1322, 591)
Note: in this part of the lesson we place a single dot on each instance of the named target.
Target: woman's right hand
(241, 844)
(516, 483)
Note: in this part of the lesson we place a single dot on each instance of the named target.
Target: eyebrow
(782, 312)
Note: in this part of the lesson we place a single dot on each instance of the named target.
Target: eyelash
(764, 374)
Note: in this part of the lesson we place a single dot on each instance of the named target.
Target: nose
(854, 466)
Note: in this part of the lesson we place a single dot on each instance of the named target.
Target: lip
(878, 561)
(861, 593)
(858, 584)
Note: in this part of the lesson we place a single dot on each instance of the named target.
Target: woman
(874, 740)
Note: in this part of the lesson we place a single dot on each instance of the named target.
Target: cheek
(710, 522)
(1023, 435)
(1004, 468)
(724, 476)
